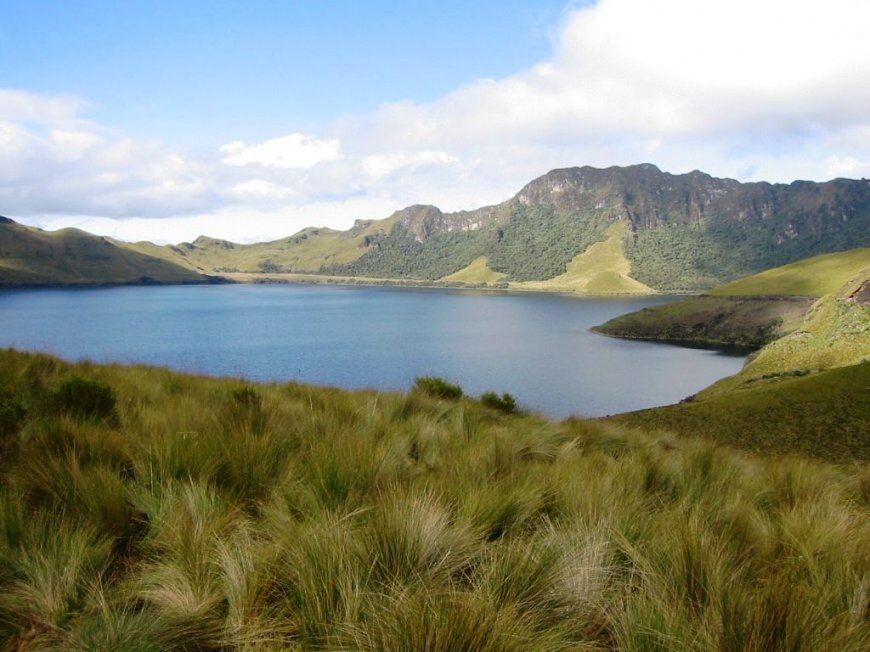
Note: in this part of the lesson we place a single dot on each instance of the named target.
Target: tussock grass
(209, 514)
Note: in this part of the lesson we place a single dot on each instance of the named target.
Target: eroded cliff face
(650, 199)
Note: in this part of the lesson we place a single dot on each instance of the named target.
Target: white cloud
(381, 165)
(293, 151)
(763, 89)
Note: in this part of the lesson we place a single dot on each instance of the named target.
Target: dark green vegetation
(504, 403)
(207, 514)
(686, 232)
(745, 322)
(528, 243)
(30, 256)
(824, 414)
(437, 388)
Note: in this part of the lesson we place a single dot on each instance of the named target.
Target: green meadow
(142, 509)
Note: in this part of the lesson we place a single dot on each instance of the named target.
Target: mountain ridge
(686, 232)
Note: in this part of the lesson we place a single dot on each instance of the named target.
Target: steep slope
(749, 312)
(30, 256)
(686, 232)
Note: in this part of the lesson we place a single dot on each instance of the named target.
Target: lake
(536, 346)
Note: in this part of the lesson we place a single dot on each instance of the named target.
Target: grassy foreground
(142, 509)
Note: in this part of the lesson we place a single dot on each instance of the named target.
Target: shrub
(84, 399)
(504, 403)
(438, 387)
(12, 414)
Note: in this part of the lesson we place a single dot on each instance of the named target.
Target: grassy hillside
(747, 322)
(807, 391)
(477, 271)
(147, 510)
(310, 250)
(812, 277)
(834, 333)
(601, 269)
(30, 256)
(750, 312)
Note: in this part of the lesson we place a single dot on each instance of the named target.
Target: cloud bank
(770, 89)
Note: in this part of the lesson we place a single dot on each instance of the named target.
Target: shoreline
(295, 278)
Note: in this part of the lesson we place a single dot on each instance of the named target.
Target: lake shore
(323, 279)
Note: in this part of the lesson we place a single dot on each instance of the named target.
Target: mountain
(30, 256)
(664, 232)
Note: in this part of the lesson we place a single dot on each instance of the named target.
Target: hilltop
(30, 256)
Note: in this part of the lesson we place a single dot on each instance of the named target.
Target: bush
(504, 403)
(82, 398)
(12, 414)
(438, 387)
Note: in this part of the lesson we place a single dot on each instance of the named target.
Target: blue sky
(252, 120)
(200, 73)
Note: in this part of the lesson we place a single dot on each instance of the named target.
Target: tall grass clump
(207, 514)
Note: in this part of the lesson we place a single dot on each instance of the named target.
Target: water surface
(535, 346)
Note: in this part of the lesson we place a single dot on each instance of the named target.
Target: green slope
(478, 271)
(807, 391)
(734, 315)
(812, 277)
(29, 256)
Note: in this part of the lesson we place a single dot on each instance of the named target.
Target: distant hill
(752, 311)
(683, 232)
(30, 256)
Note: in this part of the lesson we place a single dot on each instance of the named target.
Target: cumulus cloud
(762, 89)
(381, 165)
(293, 151)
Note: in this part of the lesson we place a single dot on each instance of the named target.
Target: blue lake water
(535, 346)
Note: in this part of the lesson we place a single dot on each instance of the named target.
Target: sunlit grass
(210, 514)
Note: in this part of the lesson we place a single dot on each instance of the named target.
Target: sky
(251, 120)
